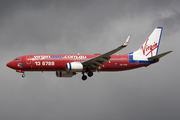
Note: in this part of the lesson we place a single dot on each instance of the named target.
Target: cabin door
(28, 60)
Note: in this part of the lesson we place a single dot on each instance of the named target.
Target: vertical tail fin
(151, 45)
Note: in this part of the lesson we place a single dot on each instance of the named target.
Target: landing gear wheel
(84, 77)
(90, 74)
(23, 75)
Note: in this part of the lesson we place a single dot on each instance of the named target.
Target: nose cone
(10, 64)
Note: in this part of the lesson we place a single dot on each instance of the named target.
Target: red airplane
(69, 65)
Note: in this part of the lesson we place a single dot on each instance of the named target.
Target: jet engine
(64, 74)
(74, 67)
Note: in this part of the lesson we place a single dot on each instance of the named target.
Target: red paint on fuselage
(58, 62)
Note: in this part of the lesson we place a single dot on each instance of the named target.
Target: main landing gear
(84, 77)
(90, 74)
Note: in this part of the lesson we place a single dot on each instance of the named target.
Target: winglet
(127, 41)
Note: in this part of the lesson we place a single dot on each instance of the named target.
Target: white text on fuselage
(60, 56)
(74, 57)
(42, 56)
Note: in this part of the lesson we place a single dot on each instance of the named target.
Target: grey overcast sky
(88, 27)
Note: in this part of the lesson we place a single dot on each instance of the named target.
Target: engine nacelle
(64, 74)
(74, 67)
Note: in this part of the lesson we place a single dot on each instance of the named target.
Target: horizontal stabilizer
(158, 56)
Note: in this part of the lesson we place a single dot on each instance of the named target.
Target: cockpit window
(17, 59)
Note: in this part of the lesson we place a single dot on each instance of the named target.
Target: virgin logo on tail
(147, 49)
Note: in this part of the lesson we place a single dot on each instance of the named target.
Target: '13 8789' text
(45, 63)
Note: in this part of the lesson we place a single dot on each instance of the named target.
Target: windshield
(17, 59)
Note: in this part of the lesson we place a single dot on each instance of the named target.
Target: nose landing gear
(20, 71)
(23, 75)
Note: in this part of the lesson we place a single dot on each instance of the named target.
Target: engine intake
(74, 67)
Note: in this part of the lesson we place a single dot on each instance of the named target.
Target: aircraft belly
(123, 66)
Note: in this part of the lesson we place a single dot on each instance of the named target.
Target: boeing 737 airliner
(69, 65)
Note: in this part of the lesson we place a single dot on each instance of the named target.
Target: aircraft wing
(101, 59)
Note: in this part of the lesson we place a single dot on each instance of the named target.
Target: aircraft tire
(84, 77)
(23, 75)
(90, 74)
